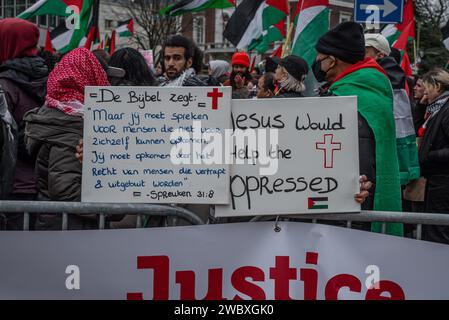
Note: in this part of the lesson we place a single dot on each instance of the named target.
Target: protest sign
(312, 166)
(148, 56)
(229, 261)
(150, 144)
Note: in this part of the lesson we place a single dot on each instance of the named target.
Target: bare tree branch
(151, 28)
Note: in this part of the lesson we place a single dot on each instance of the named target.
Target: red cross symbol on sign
(328, 146)
(215, 94)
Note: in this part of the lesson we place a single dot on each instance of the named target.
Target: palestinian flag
(249, 26)
(317, 203)
(53, 7)
(375, 104)
(125, 28)
(393, 31)
(311, 22)
(405, 130)
(184, 6)
(445, 32)
(92, 32)
(92, 38)
(274, 33)
(111, 48)
(48, 45)
(61, 38)
(277, 52)
(401, 44)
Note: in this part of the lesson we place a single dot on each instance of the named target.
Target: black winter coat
(52, 136)
(24, 81)
(434, 151)
(8, 148)
(434, 159)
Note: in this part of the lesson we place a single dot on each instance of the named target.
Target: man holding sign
(341, 62)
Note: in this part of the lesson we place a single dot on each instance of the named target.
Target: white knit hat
(378, 41)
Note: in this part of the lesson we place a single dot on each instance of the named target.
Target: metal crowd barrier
(102, 209)
(413, 218)
(175, 212)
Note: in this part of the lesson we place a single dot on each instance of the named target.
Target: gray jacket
(52, 136)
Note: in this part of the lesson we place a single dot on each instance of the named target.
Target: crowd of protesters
(42, 107)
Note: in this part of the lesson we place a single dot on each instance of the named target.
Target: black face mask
(319, 74)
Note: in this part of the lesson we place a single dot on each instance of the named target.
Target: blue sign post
(389, 11)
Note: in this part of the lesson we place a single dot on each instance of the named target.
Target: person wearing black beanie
(342, 64)
(338, 49)
(345, 42)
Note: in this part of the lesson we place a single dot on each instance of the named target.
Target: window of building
(43, 21)
(54, 21)
(8, 6)
(12, 8)
(20, 6)
(108, 24)
(29, 4)
(345, 16)
(198, 30)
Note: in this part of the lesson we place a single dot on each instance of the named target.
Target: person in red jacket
(240, 76)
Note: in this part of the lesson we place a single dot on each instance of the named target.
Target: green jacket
(367, 81)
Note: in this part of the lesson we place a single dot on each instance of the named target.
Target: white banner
(131, 143)
(312, 168)
(231, 261)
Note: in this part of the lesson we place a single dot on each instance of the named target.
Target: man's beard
(177, 74)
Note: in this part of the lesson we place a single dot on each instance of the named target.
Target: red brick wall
(187, 28)
(335, 14)
(210, 25)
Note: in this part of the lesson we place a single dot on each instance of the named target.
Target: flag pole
(286, 47)
(418, 40)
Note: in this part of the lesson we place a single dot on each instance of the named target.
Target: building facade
(205, 28)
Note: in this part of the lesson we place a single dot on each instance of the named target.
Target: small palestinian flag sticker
(317, 203)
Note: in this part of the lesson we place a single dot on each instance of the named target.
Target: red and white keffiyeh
(65, 87)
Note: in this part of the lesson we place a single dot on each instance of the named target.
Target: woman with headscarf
(54, 130)
(219, 69)
(23, 77)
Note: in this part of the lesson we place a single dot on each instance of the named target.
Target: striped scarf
(432, 110)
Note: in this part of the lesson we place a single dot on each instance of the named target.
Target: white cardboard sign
(317, 157)
(131, 143)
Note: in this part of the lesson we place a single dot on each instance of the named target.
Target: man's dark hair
(178, 40)
(138, 73)
(269, 82)
(197, 59)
